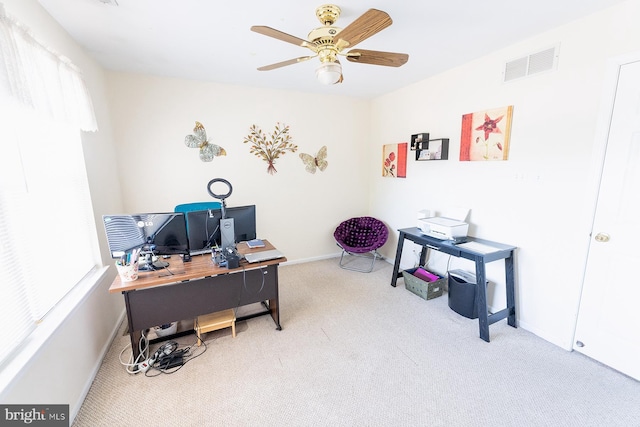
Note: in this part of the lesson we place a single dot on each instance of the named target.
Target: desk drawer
(445, 248)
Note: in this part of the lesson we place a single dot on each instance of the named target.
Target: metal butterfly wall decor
(199, 140)
(318, 162)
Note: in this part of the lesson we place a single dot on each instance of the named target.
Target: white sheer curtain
(47, 228)
(41, 79)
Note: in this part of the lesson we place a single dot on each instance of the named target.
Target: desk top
(200, 266)
(472, 248)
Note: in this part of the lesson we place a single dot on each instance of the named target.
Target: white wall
(72, 348)
(295, 210)
(541, 198)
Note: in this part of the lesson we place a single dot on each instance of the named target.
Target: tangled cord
(184, 352)
(143, 354)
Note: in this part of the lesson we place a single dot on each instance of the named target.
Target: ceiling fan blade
(374, 57)
(285, 63)
(368, 24)
(271, 32)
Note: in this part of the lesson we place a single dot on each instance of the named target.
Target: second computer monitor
(244, 222)
(160, 233)
(204, 226)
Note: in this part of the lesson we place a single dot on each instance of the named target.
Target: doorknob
(602, 237)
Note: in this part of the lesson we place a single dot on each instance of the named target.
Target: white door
(608, 327)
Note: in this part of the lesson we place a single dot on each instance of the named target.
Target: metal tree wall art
(270, 150)
(199, 140)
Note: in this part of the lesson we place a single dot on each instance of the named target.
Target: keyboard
(195, 252)
(263, 256)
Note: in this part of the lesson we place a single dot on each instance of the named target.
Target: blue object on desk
(255, 243)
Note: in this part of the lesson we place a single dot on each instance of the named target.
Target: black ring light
(219, 196)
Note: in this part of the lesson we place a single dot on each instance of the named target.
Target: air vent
(539, 62)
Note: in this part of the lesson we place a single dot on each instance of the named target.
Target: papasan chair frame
(361, 237)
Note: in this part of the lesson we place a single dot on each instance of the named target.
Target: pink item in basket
(425, 275)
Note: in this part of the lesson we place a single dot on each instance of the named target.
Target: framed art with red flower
(486, 135)
(394, 160)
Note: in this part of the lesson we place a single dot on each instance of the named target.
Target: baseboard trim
(103, 353)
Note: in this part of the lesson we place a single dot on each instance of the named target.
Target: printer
(444, 228)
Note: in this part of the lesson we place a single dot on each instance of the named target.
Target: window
(48, 239)
(47, 230)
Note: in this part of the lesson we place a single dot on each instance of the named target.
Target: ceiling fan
(328, 42)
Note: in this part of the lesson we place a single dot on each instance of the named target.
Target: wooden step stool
(215, 321)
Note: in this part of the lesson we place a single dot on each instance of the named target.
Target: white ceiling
(211, 41)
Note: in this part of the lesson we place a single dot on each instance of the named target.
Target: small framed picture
(433, 149)
(426, 155)
(418, 139)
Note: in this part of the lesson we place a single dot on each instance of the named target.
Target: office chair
(360, 237)
(197, 206)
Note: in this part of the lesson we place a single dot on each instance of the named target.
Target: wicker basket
(425, 290)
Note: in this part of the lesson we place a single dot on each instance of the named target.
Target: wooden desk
(186, 290)
(501, 251)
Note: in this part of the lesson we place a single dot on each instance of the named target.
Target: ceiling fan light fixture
(327, 42)
(329, 73)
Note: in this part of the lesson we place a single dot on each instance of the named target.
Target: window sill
(23, 356)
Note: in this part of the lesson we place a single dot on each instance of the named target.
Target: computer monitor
(244, 222)
(157, 233)
(204, 227)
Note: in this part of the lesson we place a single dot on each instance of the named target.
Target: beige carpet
(355, 351)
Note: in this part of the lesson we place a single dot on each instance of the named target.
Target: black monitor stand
(147, 263)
